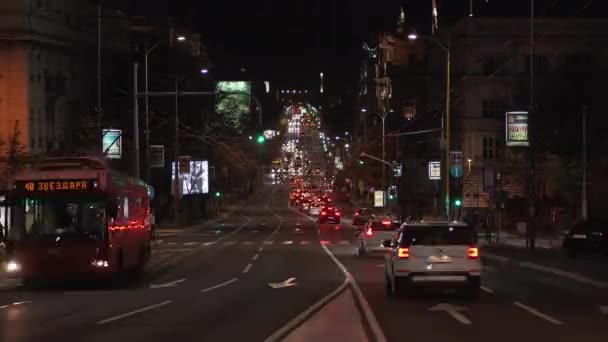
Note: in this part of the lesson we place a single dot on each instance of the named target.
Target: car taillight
(403, 253)
(386, 222)
(337, 213)
(473, 252)
(324, 213)
(369, 232)
(356, 214)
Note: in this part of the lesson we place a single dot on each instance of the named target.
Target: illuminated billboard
(234, 105)
(516, 127)
(196, 181)
(112, 143)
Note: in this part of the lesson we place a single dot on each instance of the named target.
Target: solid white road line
(134, 312)
(15, 304)
(537, 313)
(219, 285)
(487, 290)
(367, 310)
(302, 317)
(569, 275)
(247, 268)
(255, 256)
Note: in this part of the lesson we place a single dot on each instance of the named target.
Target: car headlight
(12, 266)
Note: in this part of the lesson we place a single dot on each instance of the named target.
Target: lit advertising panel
(516, 126)
(196, 181)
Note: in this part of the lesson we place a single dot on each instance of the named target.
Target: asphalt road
(207, 284)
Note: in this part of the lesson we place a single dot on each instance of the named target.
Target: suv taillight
(473, 252)
(357, 213)
(369, 232)
(403, 253)
(323, 213)
(337, 213)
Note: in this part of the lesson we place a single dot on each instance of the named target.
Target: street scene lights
(204, 71)
(181, 38)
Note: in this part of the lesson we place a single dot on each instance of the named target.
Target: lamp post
(446, 49)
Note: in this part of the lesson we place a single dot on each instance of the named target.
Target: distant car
(305, 205)
(362, 215)
(315, 209)
(374, 233)
(587, 237)
(433, 254)
(330, 214)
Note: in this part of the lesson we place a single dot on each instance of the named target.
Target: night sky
(291, 41)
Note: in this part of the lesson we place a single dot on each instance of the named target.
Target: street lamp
(363, 110)
(204, 71)
(147, 121)
(446, 49)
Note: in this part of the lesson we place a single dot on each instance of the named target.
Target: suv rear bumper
(449, 279)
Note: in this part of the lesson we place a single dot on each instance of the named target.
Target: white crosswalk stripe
(230, 243)
(191, 243)
(304, 242)
(208, 243)
(268, 242)
(287, 242)
(248, 243)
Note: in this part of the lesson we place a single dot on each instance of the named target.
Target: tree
(14, 156)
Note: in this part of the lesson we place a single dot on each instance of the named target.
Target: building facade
(48, 56)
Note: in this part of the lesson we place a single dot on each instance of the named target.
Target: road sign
(397, 169)
(157, 156)
(184, 164)
(456, 171)
(378, 199)
(434, 170)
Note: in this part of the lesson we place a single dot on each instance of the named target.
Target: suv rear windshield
(378, 225)
(438, 235)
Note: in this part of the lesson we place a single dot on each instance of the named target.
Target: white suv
(429, 254)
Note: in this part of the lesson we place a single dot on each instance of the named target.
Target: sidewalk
(515, 240)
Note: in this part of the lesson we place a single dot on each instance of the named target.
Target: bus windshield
(52, 216)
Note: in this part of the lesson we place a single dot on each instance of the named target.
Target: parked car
(587, 237)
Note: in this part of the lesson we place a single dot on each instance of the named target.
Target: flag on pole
(435, 26)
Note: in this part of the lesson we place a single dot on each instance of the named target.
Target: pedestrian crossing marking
(305, 242)
(287, 242)
(248, 243)
(268, 242)
(191, 243)
(230, 243)
(208, 243)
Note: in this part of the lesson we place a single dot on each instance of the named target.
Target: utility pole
(531, 228)
(99, 109)
(135, 121)
(584, 183)
(176, 193)
(448, 91)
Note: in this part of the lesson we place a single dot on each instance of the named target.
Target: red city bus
(74, 218)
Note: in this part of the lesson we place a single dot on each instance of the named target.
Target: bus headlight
(12, 266)
(99, 263)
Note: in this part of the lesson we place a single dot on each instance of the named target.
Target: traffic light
(392, 192)
(456, 185)
(260, 139)
(361, 162)
(218, 194)
(458, 202)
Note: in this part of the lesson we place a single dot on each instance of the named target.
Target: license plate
(439, 278)
(438, 260)
(579, 236)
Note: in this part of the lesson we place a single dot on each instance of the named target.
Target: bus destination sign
(70, 185)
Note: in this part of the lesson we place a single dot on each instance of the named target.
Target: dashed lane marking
(538, 313)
